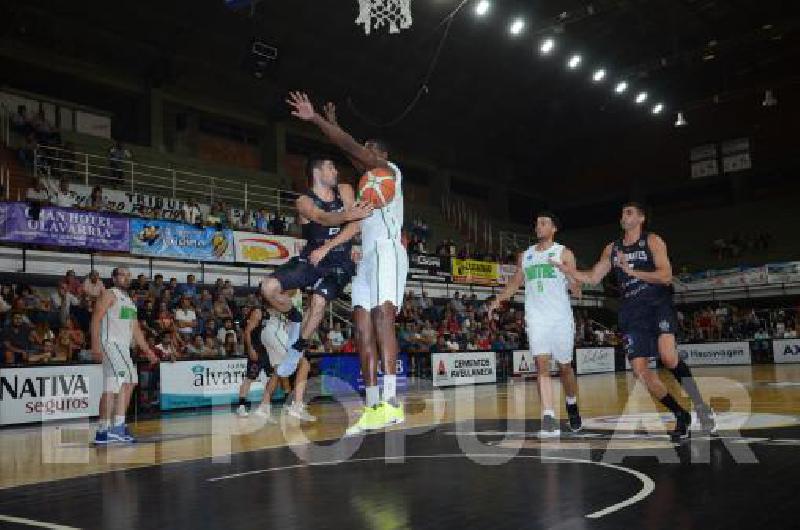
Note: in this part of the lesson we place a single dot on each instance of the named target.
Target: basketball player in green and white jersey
(114, 328)
(548, 317)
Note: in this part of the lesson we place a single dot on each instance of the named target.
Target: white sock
(572, 400)
(373, 396)
(389, 386)
(119, 420)
(549, 412)
(105, 425)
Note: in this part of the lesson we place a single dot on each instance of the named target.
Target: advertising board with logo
(266, 250)
(47, 393)
(715, 353)
(594, 360)
(786, 351)
(187, 384)
(525, 363)
(469, 368)
(341, 374)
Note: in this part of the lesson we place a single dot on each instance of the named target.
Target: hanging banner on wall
(63, 227)
(266, 250)
(475, 272)
(166, 239)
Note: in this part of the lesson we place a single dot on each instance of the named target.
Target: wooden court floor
(755, 405)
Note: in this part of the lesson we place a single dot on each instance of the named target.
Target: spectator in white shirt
(92, 286)
(336, 337)
(191, 213)
(63, 198)
(186, 318)
(227, 328)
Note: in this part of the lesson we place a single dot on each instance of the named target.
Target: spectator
(189, 288)
(227, 328)
(277, 226)
(16, 341)
(186, 318)
(42, 353)
(229, 346)
(117, 155)
(228, 291)
(165, 320)
(40, 333)
(61, 303)
(168, 349)
(38, 194)
(191, 213)
(196, 348)
(62, 197)
(93, 286)
(262, 221)
(96, 201)
(63, 346)
(157, 286)
(222, 310)
(217, 216)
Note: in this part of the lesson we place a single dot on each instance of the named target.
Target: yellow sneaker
(392, 415)
(371, 420)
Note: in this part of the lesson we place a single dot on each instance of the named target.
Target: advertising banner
(341, 374)
(525, 363)
(475, 272)
(469, 368)
(786, 351)
(265, 250)
(47, 393)
(188, 384)
(166, 239)
(594, 360)
(63, 227)
(715, 353)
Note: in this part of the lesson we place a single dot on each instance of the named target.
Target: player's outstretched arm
(350, 231)
(663, 272)
(303, 109)
(357, 211)
(594, 276)
(511, 287)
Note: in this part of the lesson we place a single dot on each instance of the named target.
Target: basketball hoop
(375, 14)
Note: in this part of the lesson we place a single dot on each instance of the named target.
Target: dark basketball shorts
(642, 322)
(328, 281)
(254, 367)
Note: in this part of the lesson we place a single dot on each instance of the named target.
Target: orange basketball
(377, 187)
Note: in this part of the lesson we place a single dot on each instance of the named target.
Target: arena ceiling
(491, 100)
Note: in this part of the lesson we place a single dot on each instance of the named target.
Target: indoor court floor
(467, 457)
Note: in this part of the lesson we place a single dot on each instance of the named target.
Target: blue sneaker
(101, 437)
(119, 434)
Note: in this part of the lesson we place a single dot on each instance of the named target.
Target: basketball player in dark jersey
(257, 360)
(323, 210)
(647, 316)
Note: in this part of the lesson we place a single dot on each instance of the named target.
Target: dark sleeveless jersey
(640, 257)
(317, 235)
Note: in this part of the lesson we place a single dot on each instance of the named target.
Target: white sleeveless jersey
(387, 222)
(275, 335)
(117, 324)
(546, 287)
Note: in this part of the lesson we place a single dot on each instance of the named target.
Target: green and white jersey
(546, 287)
(117, 325)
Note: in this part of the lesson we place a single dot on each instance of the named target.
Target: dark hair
(380, 144)
(313, 163)
(639, 206)
(550, 215)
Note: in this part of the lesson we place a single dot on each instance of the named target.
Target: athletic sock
(684, 376)
(390, 388)
(105, 425)
(549, 412)
(242, 401)
(373, 395)
(572, 400)
(119, 421)
(669, 402)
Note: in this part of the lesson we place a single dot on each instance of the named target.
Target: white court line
(647, 483)
(30, 522)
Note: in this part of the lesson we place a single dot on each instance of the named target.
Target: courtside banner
(341, 374)
(594, 360)
(786, 351)
(265, 250)
(475, 272)
(186, 384)
(49, 393)
(525, 363)
(454, 369)
(715, 353)
(165, 239)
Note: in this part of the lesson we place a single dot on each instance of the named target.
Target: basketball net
(374, 14)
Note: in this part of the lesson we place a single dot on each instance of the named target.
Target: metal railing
(168, 182)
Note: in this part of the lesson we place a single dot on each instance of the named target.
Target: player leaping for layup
(380, 280)
(647, 316)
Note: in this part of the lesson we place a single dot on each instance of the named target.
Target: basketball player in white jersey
(380, 280)
(114, 327)
(548, 317)
(266, 341)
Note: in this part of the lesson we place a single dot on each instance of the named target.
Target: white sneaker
(265, 413)
(299, 411)
(242, 411)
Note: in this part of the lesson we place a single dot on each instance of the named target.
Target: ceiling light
(769, 99)
(547, 46)
(681, 121)
(641, 97)
(516, 26)
(658, 108)
(574, 61)
(621, 87)
(599, 75)
(482, 8)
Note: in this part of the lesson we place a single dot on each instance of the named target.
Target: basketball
(377, 187)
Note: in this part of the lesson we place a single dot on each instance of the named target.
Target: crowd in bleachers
(732, 322)
(741, 244)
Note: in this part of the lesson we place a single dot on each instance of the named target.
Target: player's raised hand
(360, 210)
(330, 112)
(301, 106)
